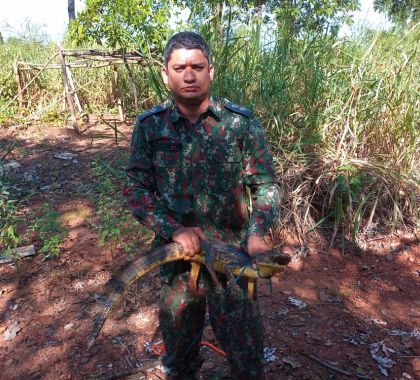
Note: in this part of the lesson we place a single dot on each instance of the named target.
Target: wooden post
(132, 82)
(67, 91)
(19, 83)
(117, 93)
(73, 89)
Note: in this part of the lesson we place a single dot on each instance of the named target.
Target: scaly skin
(216, 256)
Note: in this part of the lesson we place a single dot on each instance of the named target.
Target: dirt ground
(333, 314)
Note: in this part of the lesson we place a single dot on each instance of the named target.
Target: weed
(9, 239)
(49, 229)
(116, 227)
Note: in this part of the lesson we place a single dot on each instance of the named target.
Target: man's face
(188, 76)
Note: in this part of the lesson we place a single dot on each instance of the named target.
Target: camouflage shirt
(183, 174)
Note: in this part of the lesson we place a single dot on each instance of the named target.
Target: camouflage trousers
(233, 316)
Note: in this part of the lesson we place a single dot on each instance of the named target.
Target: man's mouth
(190, 89)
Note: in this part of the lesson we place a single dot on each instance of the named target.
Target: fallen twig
(408, 356)
(333, 367)
(122, 374)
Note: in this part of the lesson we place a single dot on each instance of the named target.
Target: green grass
(50, 231)
(114, 224)
(9, 238)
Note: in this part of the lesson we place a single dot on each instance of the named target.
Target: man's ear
(211, 71)
(165, 75)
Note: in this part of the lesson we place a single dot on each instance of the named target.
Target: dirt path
(340, 309)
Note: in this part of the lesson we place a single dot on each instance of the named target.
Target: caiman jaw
(270, 263)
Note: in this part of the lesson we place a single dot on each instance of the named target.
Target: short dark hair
(185, 40)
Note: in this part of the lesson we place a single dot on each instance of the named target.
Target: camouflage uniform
(183, 174)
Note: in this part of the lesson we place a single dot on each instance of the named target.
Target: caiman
(214, 255)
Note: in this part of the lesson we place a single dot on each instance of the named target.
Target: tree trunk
(71, 9)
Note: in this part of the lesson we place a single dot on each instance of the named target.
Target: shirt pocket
(168, 170)
(227, 168)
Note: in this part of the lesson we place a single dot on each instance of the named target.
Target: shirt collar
(214, 108)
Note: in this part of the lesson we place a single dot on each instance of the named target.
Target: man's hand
(256, 245)
(189, 238)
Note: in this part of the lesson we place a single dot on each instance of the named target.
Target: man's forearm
(147, 209)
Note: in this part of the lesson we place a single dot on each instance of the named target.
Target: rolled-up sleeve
(260, 177)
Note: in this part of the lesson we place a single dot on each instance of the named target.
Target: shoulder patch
(241, 110)
(152, 111)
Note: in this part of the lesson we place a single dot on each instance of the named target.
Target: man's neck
(193, 111)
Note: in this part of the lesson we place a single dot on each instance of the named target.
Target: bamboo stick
(31, 66)
(67, 91)
(73, 90)
(19, 84)
(100, 53)
(132, 83)
(118, 93)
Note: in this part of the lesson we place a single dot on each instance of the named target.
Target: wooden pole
(19, 84)
(132, 83)
(67, 91)
(118, 93)
(73, 89)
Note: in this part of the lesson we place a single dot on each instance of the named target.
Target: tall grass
(343, 120)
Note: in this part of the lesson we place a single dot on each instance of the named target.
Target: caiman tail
(216, 256)
(117, 286)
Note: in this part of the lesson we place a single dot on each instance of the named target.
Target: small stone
(384, 312)
(414, 313)
(12, 331)
(110, 365)
(405, 375)
(68, 326)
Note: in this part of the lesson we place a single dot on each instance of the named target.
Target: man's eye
(178, 69)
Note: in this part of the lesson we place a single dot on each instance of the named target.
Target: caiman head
(271, 262)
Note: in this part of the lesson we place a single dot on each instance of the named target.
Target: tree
(293, 17)
(122, 23)
(28, 31)
(399, 11)
(71, 10)
(299, 17)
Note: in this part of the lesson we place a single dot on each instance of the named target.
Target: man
(191, 162)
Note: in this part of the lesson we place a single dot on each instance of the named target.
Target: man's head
(187, 71)
(186, 40)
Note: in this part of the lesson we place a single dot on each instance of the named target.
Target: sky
(52, 15)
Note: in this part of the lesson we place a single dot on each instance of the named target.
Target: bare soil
(356, 300)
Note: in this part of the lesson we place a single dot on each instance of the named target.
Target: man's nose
(189, 75)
